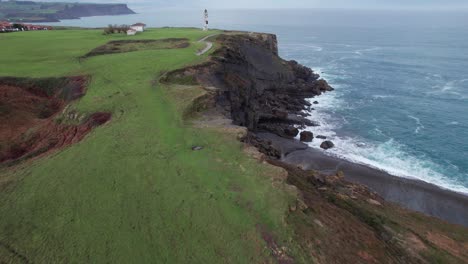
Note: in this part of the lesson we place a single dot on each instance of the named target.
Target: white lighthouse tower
(205, 26)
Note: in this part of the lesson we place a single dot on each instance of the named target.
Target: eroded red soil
(27, 116)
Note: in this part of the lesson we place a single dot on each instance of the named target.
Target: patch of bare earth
(446, 243)
(278, 252)
(27, 117)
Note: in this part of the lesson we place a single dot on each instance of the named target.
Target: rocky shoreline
(258, 90)
(409, 193)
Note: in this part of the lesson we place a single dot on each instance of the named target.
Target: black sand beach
(409, 193)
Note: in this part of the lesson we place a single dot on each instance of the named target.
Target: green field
(133, 191)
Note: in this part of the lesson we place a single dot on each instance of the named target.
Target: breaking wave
(389, 156)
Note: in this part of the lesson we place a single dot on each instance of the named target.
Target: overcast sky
(368, 4)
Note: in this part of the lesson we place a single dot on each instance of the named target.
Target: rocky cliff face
(333, 220)
(86, 10)
(258, 89)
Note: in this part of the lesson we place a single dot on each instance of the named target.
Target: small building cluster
(14, 27)
(138, 27)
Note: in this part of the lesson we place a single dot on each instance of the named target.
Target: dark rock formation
(327, 145)
(75, 11)
(321, 137)
(307, 136)
(197, 148)
(258, 89)
(272, 143)
(291, 132)
(264, 145)
(35, 12)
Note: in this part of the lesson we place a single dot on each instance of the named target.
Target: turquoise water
(401, 79)
(401, 100)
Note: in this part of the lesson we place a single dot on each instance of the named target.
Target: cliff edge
(335, 221)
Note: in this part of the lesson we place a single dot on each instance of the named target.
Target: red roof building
(4, 25)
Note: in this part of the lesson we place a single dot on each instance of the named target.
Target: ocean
(401, 80)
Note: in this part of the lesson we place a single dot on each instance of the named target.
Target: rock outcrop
(307, 136)
(327, 145)
(258, 89)
(75, 11)
(35, 12)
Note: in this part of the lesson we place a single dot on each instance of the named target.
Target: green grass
(130, 45)
(133, 191)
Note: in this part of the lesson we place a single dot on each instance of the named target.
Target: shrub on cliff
(112, 29)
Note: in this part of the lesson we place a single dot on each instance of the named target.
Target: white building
(131, 32)
(139, 27)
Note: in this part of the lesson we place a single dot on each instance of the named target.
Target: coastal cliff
(333, 218)
(258, 89)
(30, 11)
(139, 162)
(87, 10)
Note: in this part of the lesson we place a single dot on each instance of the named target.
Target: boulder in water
(291, 131)
(327, 145)
(307, 136)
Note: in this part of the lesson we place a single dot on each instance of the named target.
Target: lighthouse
(205, 26)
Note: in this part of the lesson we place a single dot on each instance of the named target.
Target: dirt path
(209, 44)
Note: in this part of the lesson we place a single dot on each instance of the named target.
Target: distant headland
(29, 11)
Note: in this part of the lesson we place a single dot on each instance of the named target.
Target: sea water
(401, 80)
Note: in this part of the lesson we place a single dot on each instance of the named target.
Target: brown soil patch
(413, 242)
(121, 46)
(448, 244)
(27, 116)
(279, 253)
(350, 231)
(367, 257)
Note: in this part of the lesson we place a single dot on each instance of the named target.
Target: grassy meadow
(133, 191)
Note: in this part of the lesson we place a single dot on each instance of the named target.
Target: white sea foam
(380, 96)
(313, 47)
(452, 88)
(389, 156)
(362, 51)
(418, 123)
(448, 86)
(307, 46)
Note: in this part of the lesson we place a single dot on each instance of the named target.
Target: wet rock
(281, 114)
(321, 137)
(316, 102)
(291, 131)
(323, 85)
(279, 145)
(327, 145)
(374, 202)
(307, 136)
(264, 145)
(197, 148)
(300, 120)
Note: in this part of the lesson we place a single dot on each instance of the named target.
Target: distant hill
(29, 11)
